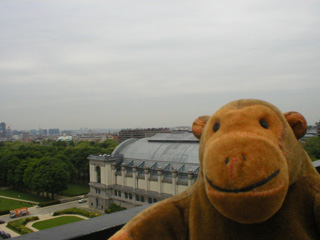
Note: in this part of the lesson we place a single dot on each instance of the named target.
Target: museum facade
(143, 171)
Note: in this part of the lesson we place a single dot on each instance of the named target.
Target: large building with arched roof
(142, 171)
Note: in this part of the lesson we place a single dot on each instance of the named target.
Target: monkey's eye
(216, 127)
(264, 123)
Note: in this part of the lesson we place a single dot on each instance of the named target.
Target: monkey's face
(244, 167)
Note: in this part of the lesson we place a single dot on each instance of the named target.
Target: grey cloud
(142, 60)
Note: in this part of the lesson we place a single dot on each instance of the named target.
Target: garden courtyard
(46, 221)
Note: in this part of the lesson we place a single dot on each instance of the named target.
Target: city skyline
(106, 129)
(111, 64)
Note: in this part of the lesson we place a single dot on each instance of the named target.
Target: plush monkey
(255, 182)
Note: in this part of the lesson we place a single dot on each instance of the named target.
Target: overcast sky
(129, 64)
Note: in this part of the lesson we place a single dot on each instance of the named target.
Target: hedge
(78, 211)
(19, 226)
(49, 203)
(114, 208)
(4, 212)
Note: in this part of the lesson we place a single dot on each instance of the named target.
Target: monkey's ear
(198, 125)
(297, 122)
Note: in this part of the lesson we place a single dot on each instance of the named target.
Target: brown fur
(256, 181)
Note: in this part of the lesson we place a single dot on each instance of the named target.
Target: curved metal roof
(163, 147)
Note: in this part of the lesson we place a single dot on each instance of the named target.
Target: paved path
(18, 199)
(7, 230)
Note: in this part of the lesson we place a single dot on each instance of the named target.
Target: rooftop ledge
(101, 227)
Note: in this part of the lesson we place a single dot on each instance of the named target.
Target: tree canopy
(312, 146)
(48, 167)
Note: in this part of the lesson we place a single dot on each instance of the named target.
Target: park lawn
(76, 189)
(41, 225)
(23, 195)
(8, 204)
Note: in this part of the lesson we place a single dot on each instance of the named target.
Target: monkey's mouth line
(245, 189)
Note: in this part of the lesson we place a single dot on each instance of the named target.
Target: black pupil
(216, 127)
(264, 123)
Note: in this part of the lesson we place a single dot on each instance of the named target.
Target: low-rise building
(139, 133)
(310, 133)
(142, 171)
(97, 137)
(65, 138)
(54, 131)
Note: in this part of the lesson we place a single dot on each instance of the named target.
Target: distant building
(43, 132)
(9, 132)
(115, 137)
(183, 129)
(66, 132)
(125, 134)
(16, 132)
(318, 128)
(65, 138)
(54, 131)
(25, 135)
(142, 171)
(98, 137)
(310, 133)
(33, 132)
(3, 130)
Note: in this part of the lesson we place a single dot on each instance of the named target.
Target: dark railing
(96, 228)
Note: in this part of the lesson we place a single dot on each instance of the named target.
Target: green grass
(23, 195)
(76, 189)
(8, 204)
(55, 222)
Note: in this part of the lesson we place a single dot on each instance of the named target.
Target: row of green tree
(312, 146)
(48, 167)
